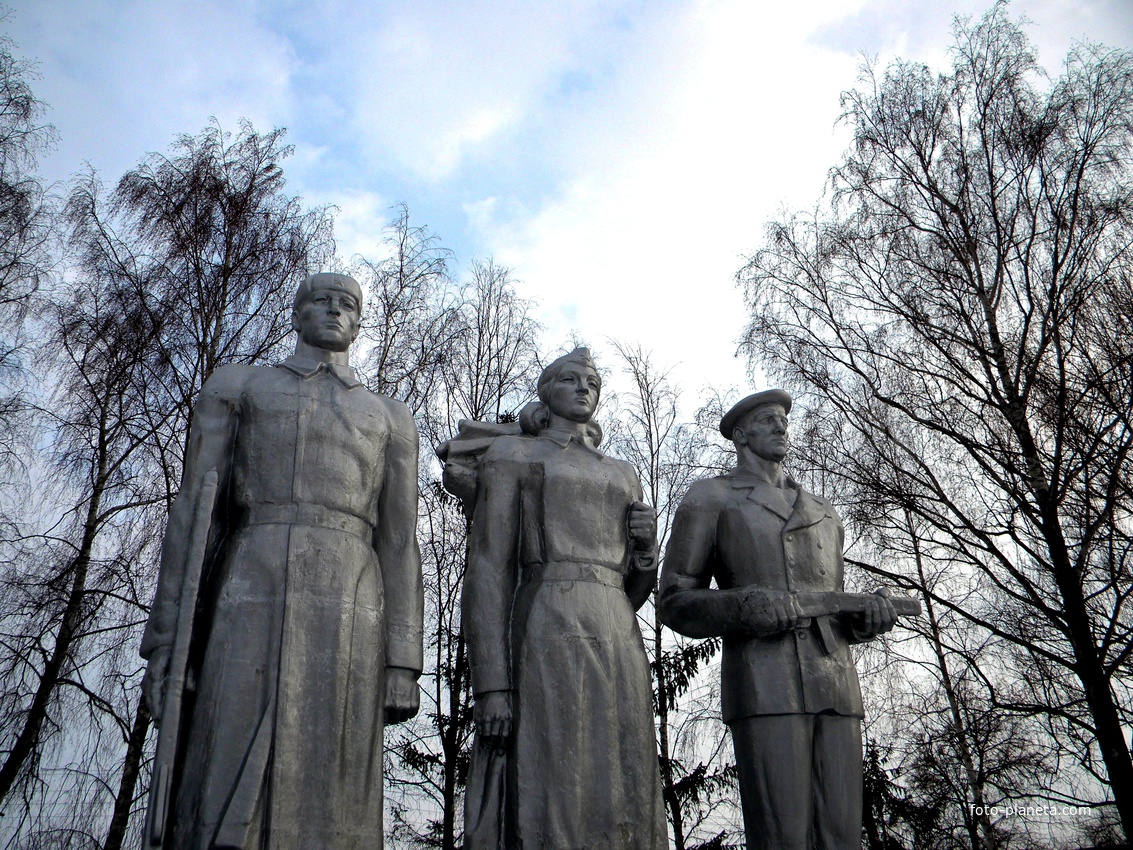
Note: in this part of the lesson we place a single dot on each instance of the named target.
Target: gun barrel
(168, 732)
(818, 604)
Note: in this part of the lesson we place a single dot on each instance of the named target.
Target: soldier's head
(759, 424)
(327, 311)
(570, 386)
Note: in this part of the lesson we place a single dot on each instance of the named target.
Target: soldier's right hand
(153, 682)
(492, 713)
(767, 612)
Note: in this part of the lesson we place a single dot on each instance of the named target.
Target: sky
(620, 157)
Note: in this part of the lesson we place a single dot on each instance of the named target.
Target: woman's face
(574, 393)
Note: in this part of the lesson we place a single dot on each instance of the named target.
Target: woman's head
(568, 388)
(571, 385)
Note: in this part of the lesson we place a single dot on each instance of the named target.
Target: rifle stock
(169, 729)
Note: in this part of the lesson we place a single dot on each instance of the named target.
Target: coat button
(801, 633)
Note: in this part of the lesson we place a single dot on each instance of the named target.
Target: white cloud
(125, 76)
(481, 214)
(438, 81)
(359, 224)
(721, 114)
(724, 113)
(620, 156)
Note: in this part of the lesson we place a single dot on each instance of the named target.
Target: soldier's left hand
(878, 617)
(403, 697)
(642, 526)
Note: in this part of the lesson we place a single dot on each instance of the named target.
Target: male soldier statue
(287, 622)
(788, 685)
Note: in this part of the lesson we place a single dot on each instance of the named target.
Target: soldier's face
(766, 431)
(574, 393)
(328, 318)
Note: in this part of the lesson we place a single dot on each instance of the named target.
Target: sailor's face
(328, 318)
(766, 431)
(574, 393)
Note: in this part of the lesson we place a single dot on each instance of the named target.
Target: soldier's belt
(576, 571)
(304, 513)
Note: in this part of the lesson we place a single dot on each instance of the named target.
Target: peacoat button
(801, 633)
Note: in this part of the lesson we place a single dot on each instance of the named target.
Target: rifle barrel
(820, 603)
(169, 730)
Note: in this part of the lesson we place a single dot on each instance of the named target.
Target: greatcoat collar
(305, 367)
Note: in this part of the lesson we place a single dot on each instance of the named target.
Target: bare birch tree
(71, 595)
(953, 319)
(26, 228)
(189, 263)
(450, 352)
(697, 774)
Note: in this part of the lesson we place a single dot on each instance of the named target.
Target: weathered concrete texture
(562, 553)
(310, 607)
(788, 686)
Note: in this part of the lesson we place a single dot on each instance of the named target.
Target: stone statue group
(287, 626)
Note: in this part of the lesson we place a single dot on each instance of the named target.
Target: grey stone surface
(789, 689)
(307, 632)
(562, 552)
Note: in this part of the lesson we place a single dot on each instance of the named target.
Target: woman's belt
(305, 513)
(576, 571)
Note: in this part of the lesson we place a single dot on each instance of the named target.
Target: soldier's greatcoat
(312, 588)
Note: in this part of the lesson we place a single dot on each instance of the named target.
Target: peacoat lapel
(754, 493)
(807, 510)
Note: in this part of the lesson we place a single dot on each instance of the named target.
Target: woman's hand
(642, 526)
(492, 713)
